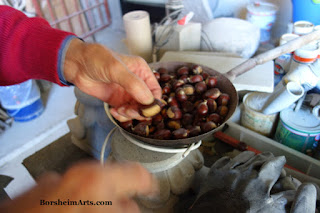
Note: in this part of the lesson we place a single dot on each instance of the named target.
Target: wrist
(72, 62)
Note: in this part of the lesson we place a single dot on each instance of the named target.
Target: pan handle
(272, 54)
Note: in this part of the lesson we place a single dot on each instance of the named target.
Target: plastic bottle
(282, 63)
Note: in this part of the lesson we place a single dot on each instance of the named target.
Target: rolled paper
(283, 98)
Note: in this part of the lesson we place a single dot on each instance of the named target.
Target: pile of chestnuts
(191, 105)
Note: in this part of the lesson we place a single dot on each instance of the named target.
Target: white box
(304, 163)
(180, 38)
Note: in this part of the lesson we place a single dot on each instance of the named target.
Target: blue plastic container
(22, 101)
(306, 10)
(28, 112)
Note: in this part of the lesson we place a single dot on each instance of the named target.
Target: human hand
(87, 181)
(243, 184)
(122, 81)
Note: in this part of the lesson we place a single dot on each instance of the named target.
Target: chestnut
(211, 81)
(196, 104)
(163, 134)
(174, 113)
(222, 110)
(187, 119)
(198, 120)
(212, 105)
(162, 71)
(177, 83)
(200, 87)
(172, 94)
(184, 78)
(192, 98)
(174, 124)
(187, 106)
(207, 126)
(180, 133)
(164, 97)
(166, 89)
(164, 113)
(157, 119)
(183, 71)
(151, 110)
(172, 101)
(127, 125)
(194, 131)
(223, 99)
(165, 77)
(195, 79)
(152, 129)
(213, 93)
(162, 103)
(202, 109)
(161, 125)
(141, 129)
(214, 117)
(181, 95)
(197, 69)
(205, 75)
(157, 75)
(188, 89)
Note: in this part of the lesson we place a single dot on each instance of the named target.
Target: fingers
(220, 163)
(119, 179)
(256, 162)
(49, 178)
(305, 199)
(240, 159)
(140, 67)
(117, 116)
(126, 113)
(132, 179)
(271, 170)
(128, 205)
(133, 84)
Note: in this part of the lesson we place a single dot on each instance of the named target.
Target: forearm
(30, 48)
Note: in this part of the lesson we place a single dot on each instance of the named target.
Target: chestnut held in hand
(152, 109)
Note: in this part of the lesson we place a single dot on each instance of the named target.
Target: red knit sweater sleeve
(29, 48)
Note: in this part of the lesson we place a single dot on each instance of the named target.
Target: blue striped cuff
(61, 58)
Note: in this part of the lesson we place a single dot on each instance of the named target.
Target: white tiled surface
(25, 138)
(22, 180)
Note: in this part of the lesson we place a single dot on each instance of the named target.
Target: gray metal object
(5, 120)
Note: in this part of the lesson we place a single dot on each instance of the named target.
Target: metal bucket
(252, 119)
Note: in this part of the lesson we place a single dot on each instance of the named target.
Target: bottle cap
(307, 54)
(302, 27)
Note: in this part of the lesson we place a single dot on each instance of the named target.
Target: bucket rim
(252, 8)
(307, 130)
